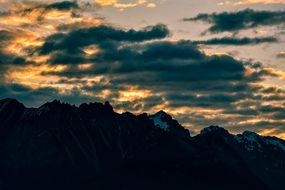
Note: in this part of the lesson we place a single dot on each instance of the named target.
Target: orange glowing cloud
(22, 39)
(121, 5)
(32, 76)
(272, 132)
(134, 93)
(274, 72)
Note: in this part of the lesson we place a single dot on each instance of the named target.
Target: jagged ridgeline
(59, 146)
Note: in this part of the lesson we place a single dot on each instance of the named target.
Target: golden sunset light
(142, 94)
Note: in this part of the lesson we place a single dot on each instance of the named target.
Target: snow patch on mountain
(158, 120)
(276, 142)
(254, 141)
(250, 139)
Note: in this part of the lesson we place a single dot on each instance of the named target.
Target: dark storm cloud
(278, 126)
(185, 70)
(275, 112)
(209, 100)
(24, 93)
(244, 111)
(162, 62)
(235, 21)
(158, 64)
(43, 8)
(166, 67)
(176, 73)
(67, 58)
(271, 109)
(227, 98)
(11, 59)
(140, 104)
(152, 62)
(59, 6)
(100, 35)
(237, 41)
(64, 5)
(163, 67)
(36, 97)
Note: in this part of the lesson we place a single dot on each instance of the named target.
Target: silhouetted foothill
(60, 146)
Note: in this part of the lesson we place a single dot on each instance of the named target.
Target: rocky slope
(59, 146)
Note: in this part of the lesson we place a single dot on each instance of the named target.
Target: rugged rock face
(59, 146)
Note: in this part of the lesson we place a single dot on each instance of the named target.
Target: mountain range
(61, 146)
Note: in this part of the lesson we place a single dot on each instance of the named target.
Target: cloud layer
(63, 50)
(241, 20)
(238, 41)
(121, 5)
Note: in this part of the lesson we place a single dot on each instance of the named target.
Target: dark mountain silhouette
(59, 146)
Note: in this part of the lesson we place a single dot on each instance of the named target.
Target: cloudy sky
(207, 63)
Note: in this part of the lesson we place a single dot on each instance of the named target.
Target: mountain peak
(53, 103)
(251, 140)
(254, 141)
(97, 106)
(161, 119)
(214, 129)
(108, 106)
(162, 113)
(90, 140)
(165, 122)
(9, 102)
(250, 135)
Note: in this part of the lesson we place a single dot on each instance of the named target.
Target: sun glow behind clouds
(32, 76)
(272, 132)
(124, 5)
(136, 92)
